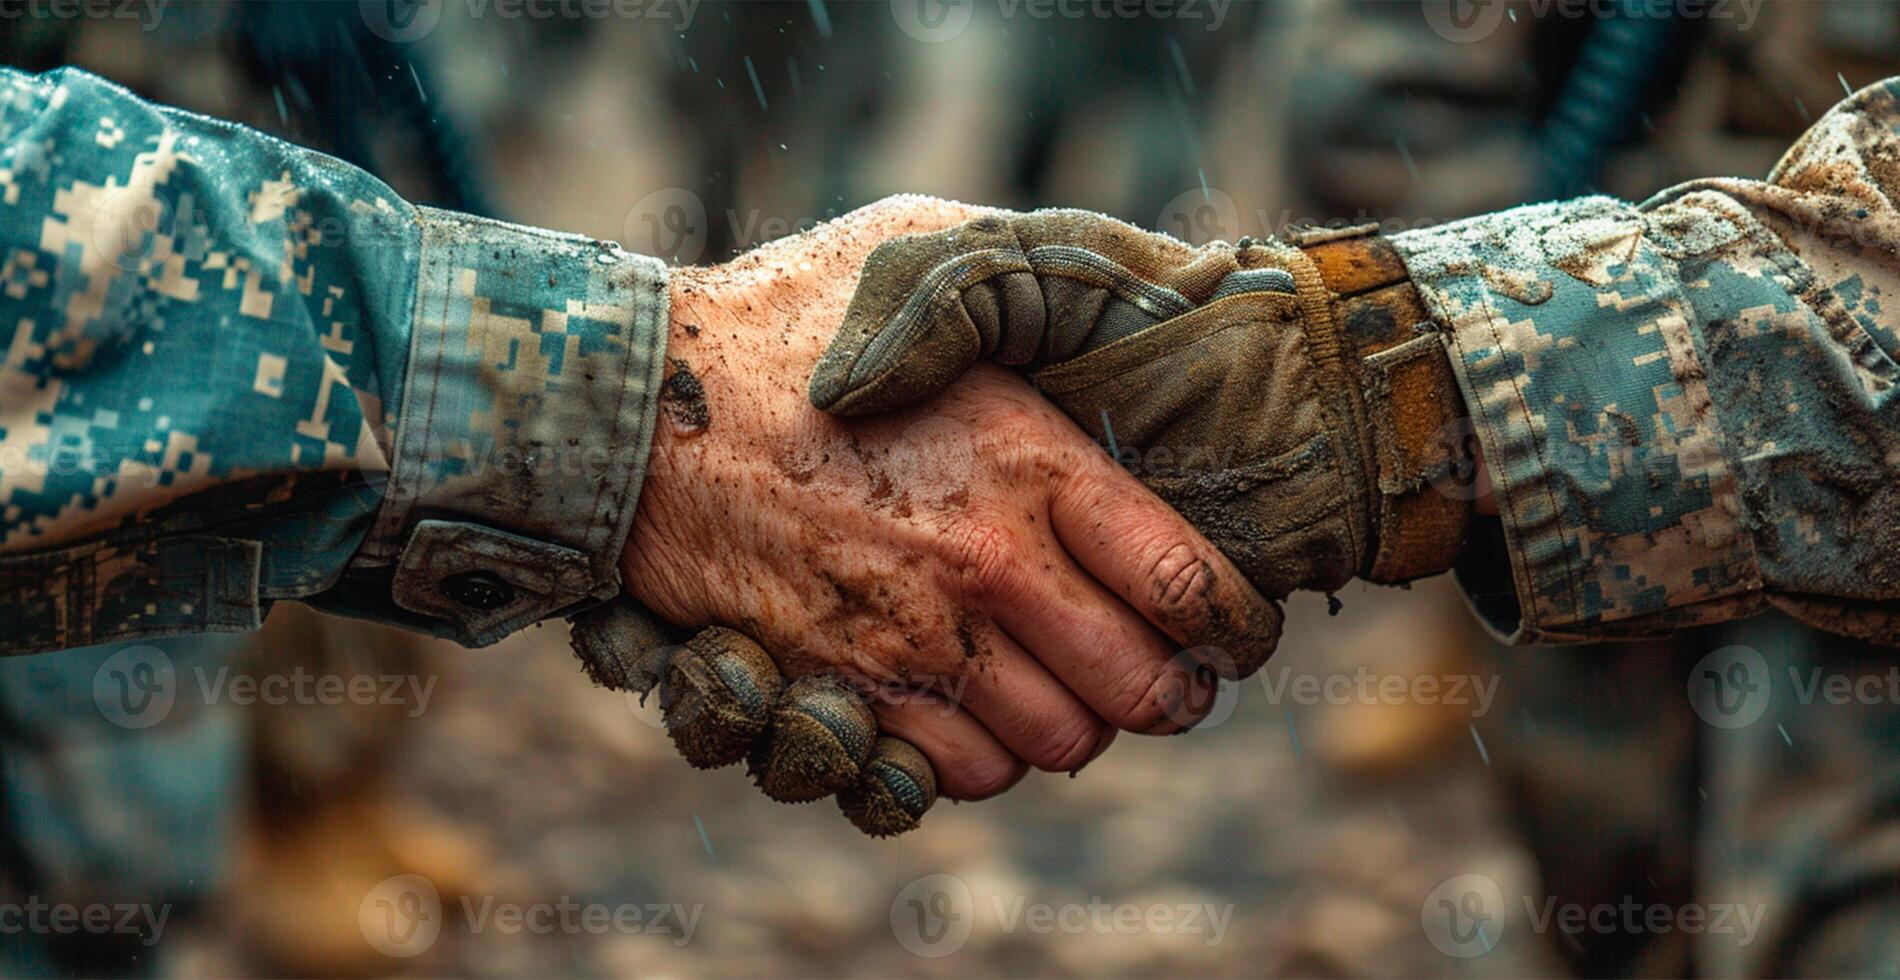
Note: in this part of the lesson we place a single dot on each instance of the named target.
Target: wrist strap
(1411, 401)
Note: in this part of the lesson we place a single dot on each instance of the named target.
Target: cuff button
(478, 590)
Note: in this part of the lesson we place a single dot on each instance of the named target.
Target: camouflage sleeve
(239, 371)
(1688, 407)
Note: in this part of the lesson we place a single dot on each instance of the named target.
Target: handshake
(965, 574)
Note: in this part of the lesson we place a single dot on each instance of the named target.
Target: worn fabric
(1687, 407)
(238, 371)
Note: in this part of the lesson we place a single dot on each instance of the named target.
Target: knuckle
(1181, 579)
(1156, 701)
(984, 558)
(982, 779)
(1013, 432)
(1136, 705)
(1070, 745)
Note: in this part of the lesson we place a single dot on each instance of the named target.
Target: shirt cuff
(526, 417)
(1581, 363)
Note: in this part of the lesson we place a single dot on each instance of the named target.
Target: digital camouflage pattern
(1688, 408)
(239, 371)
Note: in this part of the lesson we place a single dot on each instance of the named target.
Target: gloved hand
(1013, 597)
(1290, 404)
(723, 700)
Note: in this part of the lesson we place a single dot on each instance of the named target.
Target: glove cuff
(1407, 404)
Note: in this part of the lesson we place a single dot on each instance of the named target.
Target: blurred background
(1316, 824)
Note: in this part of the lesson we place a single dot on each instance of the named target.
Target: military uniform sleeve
(1687, 407)
(238, 371)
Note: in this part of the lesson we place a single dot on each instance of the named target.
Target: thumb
(926, 308)
(1021, 290)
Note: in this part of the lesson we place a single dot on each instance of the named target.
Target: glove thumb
(927, 308)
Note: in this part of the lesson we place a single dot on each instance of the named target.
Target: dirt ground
(1310, 834)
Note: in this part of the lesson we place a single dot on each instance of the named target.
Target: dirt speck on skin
(970, 635)
(855, 599)
(683, 399)
(799, 466)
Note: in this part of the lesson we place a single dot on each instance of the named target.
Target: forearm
(1686, 407)
(241, 371)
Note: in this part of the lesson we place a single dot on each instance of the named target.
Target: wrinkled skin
(1008, 595)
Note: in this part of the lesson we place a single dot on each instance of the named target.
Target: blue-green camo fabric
(1688, 406)
(236, 370)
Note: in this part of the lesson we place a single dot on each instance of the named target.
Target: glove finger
(718, 696)
(820, 736)
(906, 335)
(621, 646)
(896, 787)
(1019, 290)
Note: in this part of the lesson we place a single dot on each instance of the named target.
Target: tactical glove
(1291, 403)
(723, 701)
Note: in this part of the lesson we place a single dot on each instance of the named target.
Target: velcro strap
(1412, 408)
